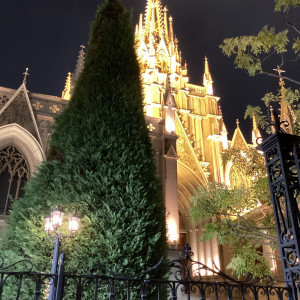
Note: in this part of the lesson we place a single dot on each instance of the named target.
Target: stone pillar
(171, 197)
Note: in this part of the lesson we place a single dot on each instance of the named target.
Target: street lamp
(52, 223)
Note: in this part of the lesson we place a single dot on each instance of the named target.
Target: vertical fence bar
(112, 290)
(1, 285)
(144, 292)
(38, 286)
(79, 289)
(158, 290)
(19, 286)
(216, 292)
(96, 289)
(128, 289)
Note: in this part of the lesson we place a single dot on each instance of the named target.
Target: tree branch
(291, 24)
(244, 233)
(277, 76)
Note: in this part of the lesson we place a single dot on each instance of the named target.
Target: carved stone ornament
(14, 172)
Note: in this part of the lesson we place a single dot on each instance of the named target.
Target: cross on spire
(237, 123)
(279, 71)
(25, 75)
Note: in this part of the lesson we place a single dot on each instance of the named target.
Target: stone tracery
(14, 172)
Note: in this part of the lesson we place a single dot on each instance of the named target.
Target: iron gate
(101, 283)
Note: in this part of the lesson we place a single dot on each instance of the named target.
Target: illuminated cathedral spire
(66, 93)
(286, 112)
(73, 77)
(153, 18)
(157, 46)
(207, 79)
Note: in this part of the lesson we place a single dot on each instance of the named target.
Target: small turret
(207, 79)
(66, 93)
(171, 32)
(255, 132)
(166, 24)
(170, 108)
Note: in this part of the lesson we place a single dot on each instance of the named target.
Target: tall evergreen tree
(101, 165)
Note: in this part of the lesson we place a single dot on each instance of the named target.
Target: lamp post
(52, 224)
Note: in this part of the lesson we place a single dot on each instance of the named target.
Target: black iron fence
(186, 282)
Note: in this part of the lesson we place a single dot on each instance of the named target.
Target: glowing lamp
(73, 224)
(48, 224)
(56, 217)
(172, 231)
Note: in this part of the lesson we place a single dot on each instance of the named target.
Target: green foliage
(259, 115)
(253, 52)
(250, 161)
(105, 171)
(296, 45)
(286, 4)
(230, 215)
(291, 97)
(248, 258)
(248, 49)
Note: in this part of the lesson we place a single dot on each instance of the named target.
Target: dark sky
(45, 36)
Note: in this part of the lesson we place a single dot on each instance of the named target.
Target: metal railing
(19, 282)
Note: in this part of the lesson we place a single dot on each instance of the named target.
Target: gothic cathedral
(184, 120)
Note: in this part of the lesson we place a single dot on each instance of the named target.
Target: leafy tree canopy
(231, 214)
(259, 54)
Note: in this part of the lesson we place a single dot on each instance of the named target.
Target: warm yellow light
(56, 217)
(48, 224)
(73, 224)
(172, 231)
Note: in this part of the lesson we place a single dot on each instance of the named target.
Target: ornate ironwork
(282, 161)
(13, 163)
(103, 283)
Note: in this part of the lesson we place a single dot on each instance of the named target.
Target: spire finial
(254, 122)
(207, 79)
(171, 33)
(166, 27)
(281, 81)
(237, 123)
(256, 135)
(66, 94)
(220, 110)
(272, 118)
(286, 112)
(25, 75)
(206, 65)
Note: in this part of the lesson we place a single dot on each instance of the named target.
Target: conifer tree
(100, 165)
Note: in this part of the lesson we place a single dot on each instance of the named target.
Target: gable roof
(21, 96)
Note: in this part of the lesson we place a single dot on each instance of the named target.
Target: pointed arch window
(14, 173)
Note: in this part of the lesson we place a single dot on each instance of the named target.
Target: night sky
(45, 35)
